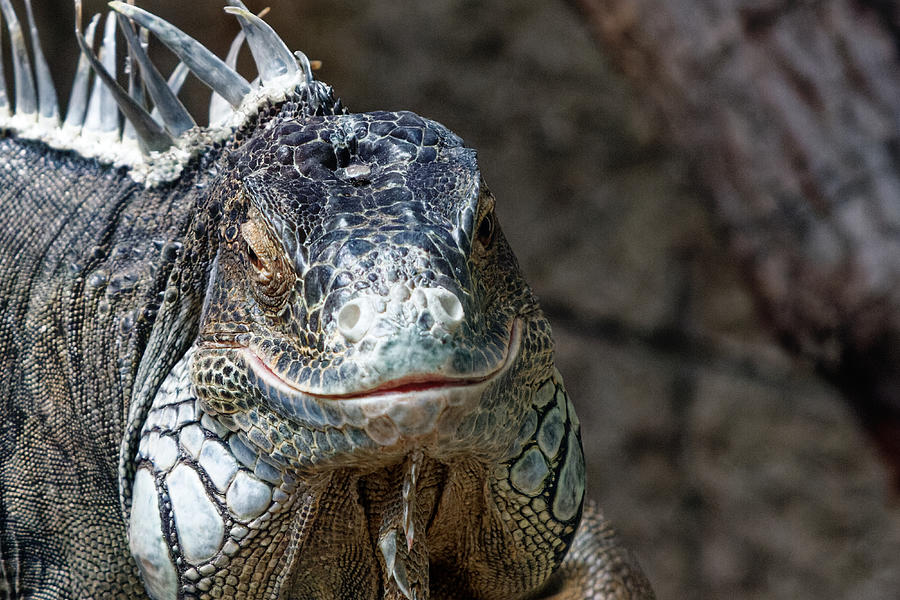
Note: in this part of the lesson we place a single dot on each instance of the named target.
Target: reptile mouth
(407, 384)
(411, 407)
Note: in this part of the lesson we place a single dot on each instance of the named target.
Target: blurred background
(732, 466)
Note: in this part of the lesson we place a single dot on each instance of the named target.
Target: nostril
(451, 305)
(354, 319)
(446, 308)
(349, 316)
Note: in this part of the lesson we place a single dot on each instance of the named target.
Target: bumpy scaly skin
(317, 364)
(362, 309)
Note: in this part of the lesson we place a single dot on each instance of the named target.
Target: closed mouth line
(410, 384)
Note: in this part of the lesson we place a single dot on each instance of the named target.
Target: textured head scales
(359, 289)
(355, 237)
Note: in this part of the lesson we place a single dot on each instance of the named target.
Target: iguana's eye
(254, 259)
(269, 271)
(487, 221)
(486, 227)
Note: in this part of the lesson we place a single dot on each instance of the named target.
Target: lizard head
(363, 298)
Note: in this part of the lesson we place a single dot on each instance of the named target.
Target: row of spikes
(156, 130)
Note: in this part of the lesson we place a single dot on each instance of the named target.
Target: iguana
(286, 355)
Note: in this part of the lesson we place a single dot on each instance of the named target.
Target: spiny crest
(146, 127)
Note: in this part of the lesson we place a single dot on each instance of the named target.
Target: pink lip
(412, 383)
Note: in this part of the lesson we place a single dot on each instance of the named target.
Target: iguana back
(84, 254)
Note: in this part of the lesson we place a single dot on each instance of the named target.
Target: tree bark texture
(790, 113)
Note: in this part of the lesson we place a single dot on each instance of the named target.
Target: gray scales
(286, 355)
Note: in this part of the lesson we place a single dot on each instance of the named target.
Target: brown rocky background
(732, 468)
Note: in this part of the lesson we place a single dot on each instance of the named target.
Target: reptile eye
(254, 258)
(485, 233)
(271, 274)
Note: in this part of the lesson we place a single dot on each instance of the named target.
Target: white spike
(103, 112)
(135, 85)
(26, 99)
(204, 64)
(175, 81)
(219, 108)
(177, 77)
(4, 100)
(305, 66)
(175, 116)
(273, 58)
(413, 466)
(78, 99)
(152, 137)
(394, 564)
(47, 102)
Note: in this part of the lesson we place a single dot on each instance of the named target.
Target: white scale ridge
(550, 434)
(191, 438)
(570, 488)
(146, 540)
(208, 487)
(218, 463)
(166, 453)
(200, 527)
(529, 472)
(247, 496)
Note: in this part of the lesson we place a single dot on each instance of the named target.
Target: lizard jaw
(407, 408)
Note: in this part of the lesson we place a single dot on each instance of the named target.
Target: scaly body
(290, 355)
